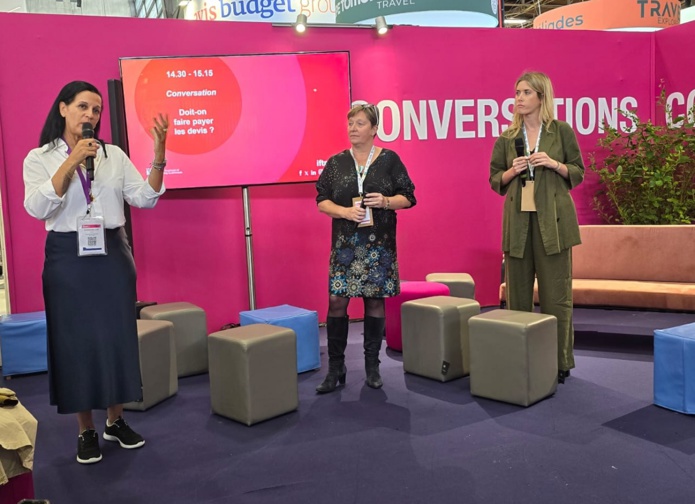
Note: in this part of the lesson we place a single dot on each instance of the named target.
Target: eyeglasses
(367, 106)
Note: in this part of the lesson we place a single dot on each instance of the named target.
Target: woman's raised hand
(159, 132)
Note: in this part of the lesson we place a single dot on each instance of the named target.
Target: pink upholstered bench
(409, 292)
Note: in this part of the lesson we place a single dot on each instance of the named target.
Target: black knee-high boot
(337, 333)
(373, 335)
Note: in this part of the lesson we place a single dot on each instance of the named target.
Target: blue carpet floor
(599, 439)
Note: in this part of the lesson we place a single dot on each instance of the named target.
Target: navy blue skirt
(93, 360)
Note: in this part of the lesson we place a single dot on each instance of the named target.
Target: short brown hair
(371, 111)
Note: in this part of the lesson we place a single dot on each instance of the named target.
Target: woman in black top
(361, 189)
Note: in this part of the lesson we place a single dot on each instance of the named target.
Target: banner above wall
(481, 13)
(475, 13)
(629, 15)
(272, 11)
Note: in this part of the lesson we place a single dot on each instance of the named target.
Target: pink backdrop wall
(191, 247)
(674, 68)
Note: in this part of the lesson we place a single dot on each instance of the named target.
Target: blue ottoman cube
(674, 368)
(305, 323)
(23, 343)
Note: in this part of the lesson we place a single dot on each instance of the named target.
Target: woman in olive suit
(535, 163)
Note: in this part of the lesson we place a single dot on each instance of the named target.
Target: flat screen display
(238, 120)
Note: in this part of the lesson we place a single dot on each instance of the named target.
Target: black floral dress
(363, 260)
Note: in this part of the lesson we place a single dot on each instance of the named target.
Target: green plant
(648, 174)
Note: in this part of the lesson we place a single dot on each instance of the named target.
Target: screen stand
(249, 247)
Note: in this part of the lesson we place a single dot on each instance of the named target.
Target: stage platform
(627, 322)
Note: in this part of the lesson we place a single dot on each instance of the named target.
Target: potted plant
(648, 174)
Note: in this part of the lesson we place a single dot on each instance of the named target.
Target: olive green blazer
(557, 216)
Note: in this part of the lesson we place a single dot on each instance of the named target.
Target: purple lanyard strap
(86, 183)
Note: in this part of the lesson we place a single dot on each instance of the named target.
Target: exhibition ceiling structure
(517, 13)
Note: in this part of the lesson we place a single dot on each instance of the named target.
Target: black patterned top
(363, 260)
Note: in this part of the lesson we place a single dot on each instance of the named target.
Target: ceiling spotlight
(381, 26)
(300, 25)
(516, 21)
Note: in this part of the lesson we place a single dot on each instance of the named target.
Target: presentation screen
(238, 120)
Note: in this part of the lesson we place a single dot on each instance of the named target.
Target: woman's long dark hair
(54, 127)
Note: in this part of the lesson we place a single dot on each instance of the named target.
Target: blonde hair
(541, 84)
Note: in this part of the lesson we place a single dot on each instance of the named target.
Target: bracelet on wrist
(558, 165)
(388, 204)
(159, 166)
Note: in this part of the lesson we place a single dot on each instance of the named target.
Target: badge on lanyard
(91, 238)
(91, 235)
(367, 221)
(528, 199)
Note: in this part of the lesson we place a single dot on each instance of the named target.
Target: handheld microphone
(519, 146)
(88, 132)
(365, 189)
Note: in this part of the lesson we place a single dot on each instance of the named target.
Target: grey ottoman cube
(253, 372)
(157, 363)
(435, 336)
(190, 331)
(513, 356)
(460, 284)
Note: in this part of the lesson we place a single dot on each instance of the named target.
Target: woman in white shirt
(77, 184)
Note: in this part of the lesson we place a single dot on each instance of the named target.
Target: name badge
(367, 221)
(91, 237)
(528, 199)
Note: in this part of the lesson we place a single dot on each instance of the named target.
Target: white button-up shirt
(115, 179)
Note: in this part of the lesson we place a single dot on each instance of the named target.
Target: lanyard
(528, 149)
(362, 174)
(86, 188)
(86, 183)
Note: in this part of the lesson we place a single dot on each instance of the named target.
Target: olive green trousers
(554, 275)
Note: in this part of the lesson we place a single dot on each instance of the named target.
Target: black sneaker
(88, 451)
(120, 431)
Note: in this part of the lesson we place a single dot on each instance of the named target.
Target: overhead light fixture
(517, 21)
(300, 25)
(180, 12)
(381, 26)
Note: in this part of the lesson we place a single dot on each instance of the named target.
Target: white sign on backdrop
(271, 11)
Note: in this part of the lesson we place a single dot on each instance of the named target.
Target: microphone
(88, 132)
(519, 146)
(365, 189)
